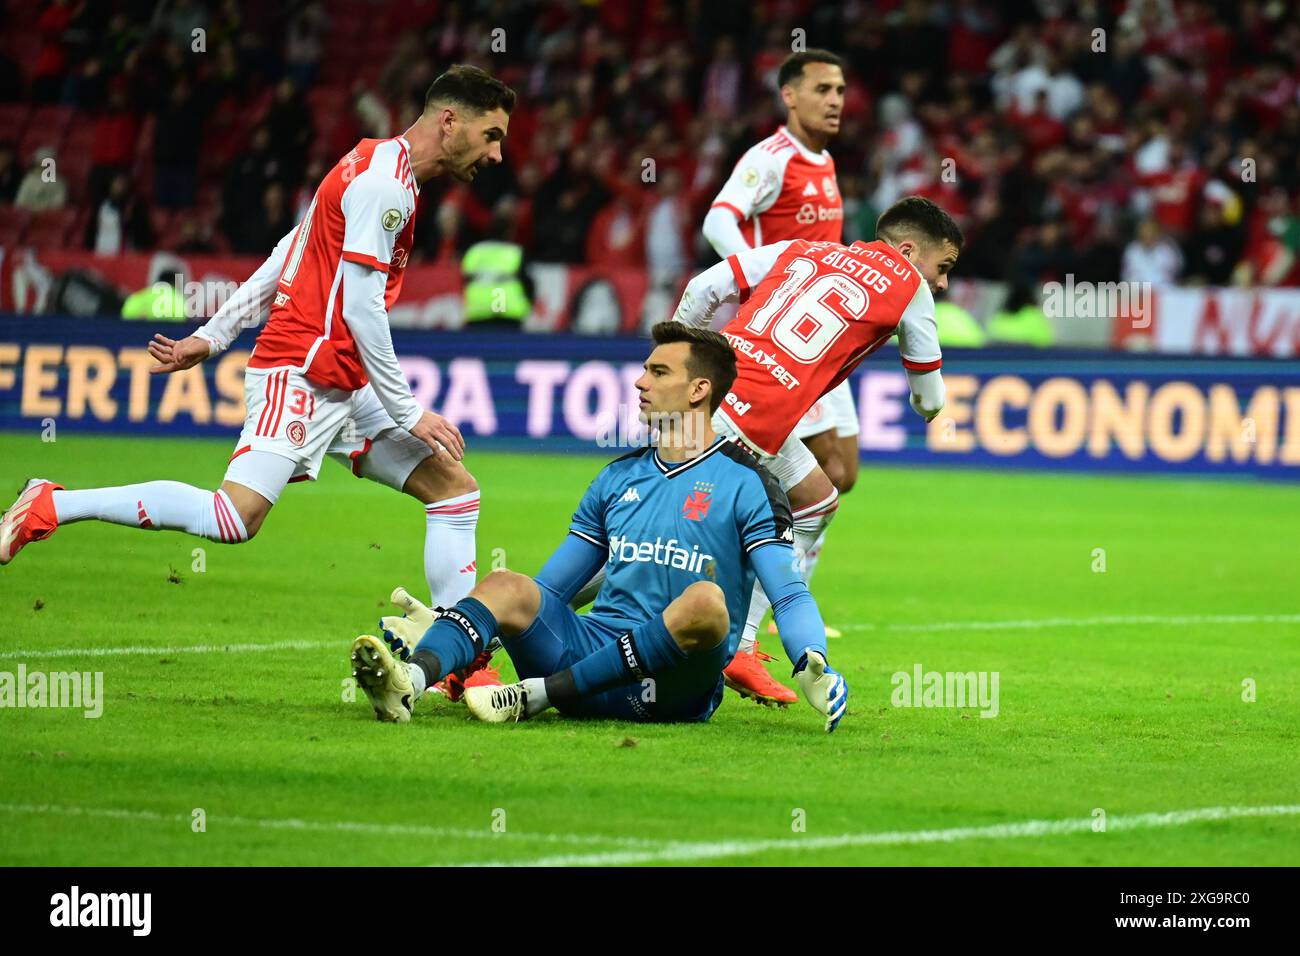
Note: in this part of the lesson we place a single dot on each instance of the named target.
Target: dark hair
(792, 66)
(472, 88)
(917, 217)
(711, 356)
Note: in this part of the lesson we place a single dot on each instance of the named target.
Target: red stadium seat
(46, 126)
(12, 223)
(50, 230)
(13, 117)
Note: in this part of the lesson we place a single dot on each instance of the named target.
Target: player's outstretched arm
(246, 309)
(803, 634)
(731, 280)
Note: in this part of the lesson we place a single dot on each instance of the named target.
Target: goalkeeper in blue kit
(681, 529)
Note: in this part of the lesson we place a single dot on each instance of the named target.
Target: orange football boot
(747, 676)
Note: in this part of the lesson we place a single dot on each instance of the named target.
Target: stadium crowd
(1155, 140)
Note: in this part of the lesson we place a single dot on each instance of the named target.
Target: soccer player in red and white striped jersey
(323, 378)
(816, 310)
(784, 188)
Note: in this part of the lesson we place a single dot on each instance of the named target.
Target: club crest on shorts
(296, 432)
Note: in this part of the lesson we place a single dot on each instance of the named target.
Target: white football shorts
(834, 410)
(792, 463)
(291, 417)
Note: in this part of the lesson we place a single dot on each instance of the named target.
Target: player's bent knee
(513, 599)
(698, 619)
(438, 477)
(836, 474)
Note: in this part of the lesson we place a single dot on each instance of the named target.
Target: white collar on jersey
(671, 469)
(818, 159)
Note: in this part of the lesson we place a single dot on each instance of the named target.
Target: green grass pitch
(1119, 691)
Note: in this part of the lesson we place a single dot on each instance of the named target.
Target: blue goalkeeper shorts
(560, 637)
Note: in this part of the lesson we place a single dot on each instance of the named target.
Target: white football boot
(496, 705)
(384, 678)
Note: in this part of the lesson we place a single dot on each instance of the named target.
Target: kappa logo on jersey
(809, 189)
(296, 432)
(630, 495)
(788, 535)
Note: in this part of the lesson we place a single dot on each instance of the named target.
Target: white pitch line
(1037, 623)
(182, 649)
(693, 852)
(332, 826)
(1032, 624)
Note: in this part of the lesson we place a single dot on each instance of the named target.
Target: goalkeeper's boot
(496, 705)
(747, 676)
(830, 631)
(384, 678)
(30, 518)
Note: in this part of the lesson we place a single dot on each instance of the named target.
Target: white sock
(417, 680)
(449, 563)
(809, 527)
(535, 688)
(758, 605)
(156, 505)
(813, 556)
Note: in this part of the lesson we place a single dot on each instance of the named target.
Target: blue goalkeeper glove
(823, 687)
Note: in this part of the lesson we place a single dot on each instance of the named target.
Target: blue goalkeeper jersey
(665, 525)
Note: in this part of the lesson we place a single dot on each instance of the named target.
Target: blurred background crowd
(1151, 140)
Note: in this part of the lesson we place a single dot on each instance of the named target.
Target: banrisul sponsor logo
(671, 553)
(75, 908)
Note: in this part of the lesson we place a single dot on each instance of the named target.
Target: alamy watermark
(1098, 300)
(631, 428)
(922, 688)
(71, 689)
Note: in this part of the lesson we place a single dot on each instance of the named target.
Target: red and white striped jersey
(363, 212)
(810, 312)
(782, 190)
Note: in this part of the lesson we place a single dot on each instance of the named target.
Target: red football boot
(31, 518)
(478, 674)
(748, 677)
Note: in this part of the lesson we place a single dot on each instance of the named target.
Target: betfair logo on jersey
(669, 554)
(392, 219)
